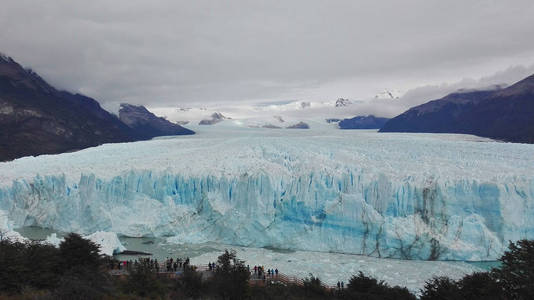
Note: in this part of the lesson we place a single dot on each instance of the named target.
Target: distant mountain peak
(127, 106)
(216, 117)
(147, 124)
(363, 122)
(388, 94)
(38, 119)
(523, 87)
(342, 102)
(305, 104)
(299, 125)
(5, 58)
(505, 114)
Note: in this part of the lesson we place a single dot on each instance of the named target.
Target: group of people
(128, 264)
(211, 266)
(173, 265)
(259, 272)
(170, 264)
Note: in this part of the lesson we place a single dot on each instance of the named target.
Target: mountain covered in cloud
(299, 125)
(274, 115)
(505, 114)
(215, 118)
(341, 102)
(388, 94)
(36, 118)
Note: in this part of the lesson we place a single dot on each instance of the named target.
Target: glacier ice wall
(367, 196)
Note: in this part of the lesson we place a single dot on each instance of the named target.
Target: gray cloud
(162, 53)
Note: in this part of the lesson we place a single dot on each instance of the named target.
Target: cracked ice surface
(417, 196)
(334, 267)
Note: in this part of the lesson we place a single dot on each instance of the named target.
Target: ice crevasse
(408, 196)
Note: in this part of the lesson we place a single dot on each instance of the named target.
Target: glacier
(409, 196)
(6, 230)
(108, 241)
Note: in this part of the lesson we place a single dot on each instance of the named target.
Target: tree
(79, 252)
(313, 286)
(83, 274)
(144, 282)
(191, 283)
(365, 287)
(231, 277)
(362, 283)
(83, 284)
(12, 267)
(440, 288)
(43, 263)
(516, 274)
(480, 285)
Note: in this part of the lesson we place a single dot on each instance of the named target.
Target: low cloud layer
(170, 53)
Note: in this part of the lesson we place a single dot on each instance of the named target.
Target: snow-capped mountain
(342, 102)
(267, 115)
(216, 117)
(388, 94)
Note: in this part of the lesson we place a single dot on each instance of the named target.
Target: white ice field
(408, 196)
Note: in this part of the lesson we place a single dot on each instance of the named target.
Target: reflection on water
(157, 246)
(160, 249)
(485, 265)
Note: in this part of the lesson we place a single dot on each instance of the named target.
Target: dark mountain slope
(363, 122)
(35, 118)
(506, 114)
(147, 124)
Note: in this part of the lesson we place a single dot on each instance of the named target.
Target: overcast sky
(166, 53)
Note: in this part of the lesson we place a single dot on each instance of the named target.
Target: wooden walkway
(255, 280)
